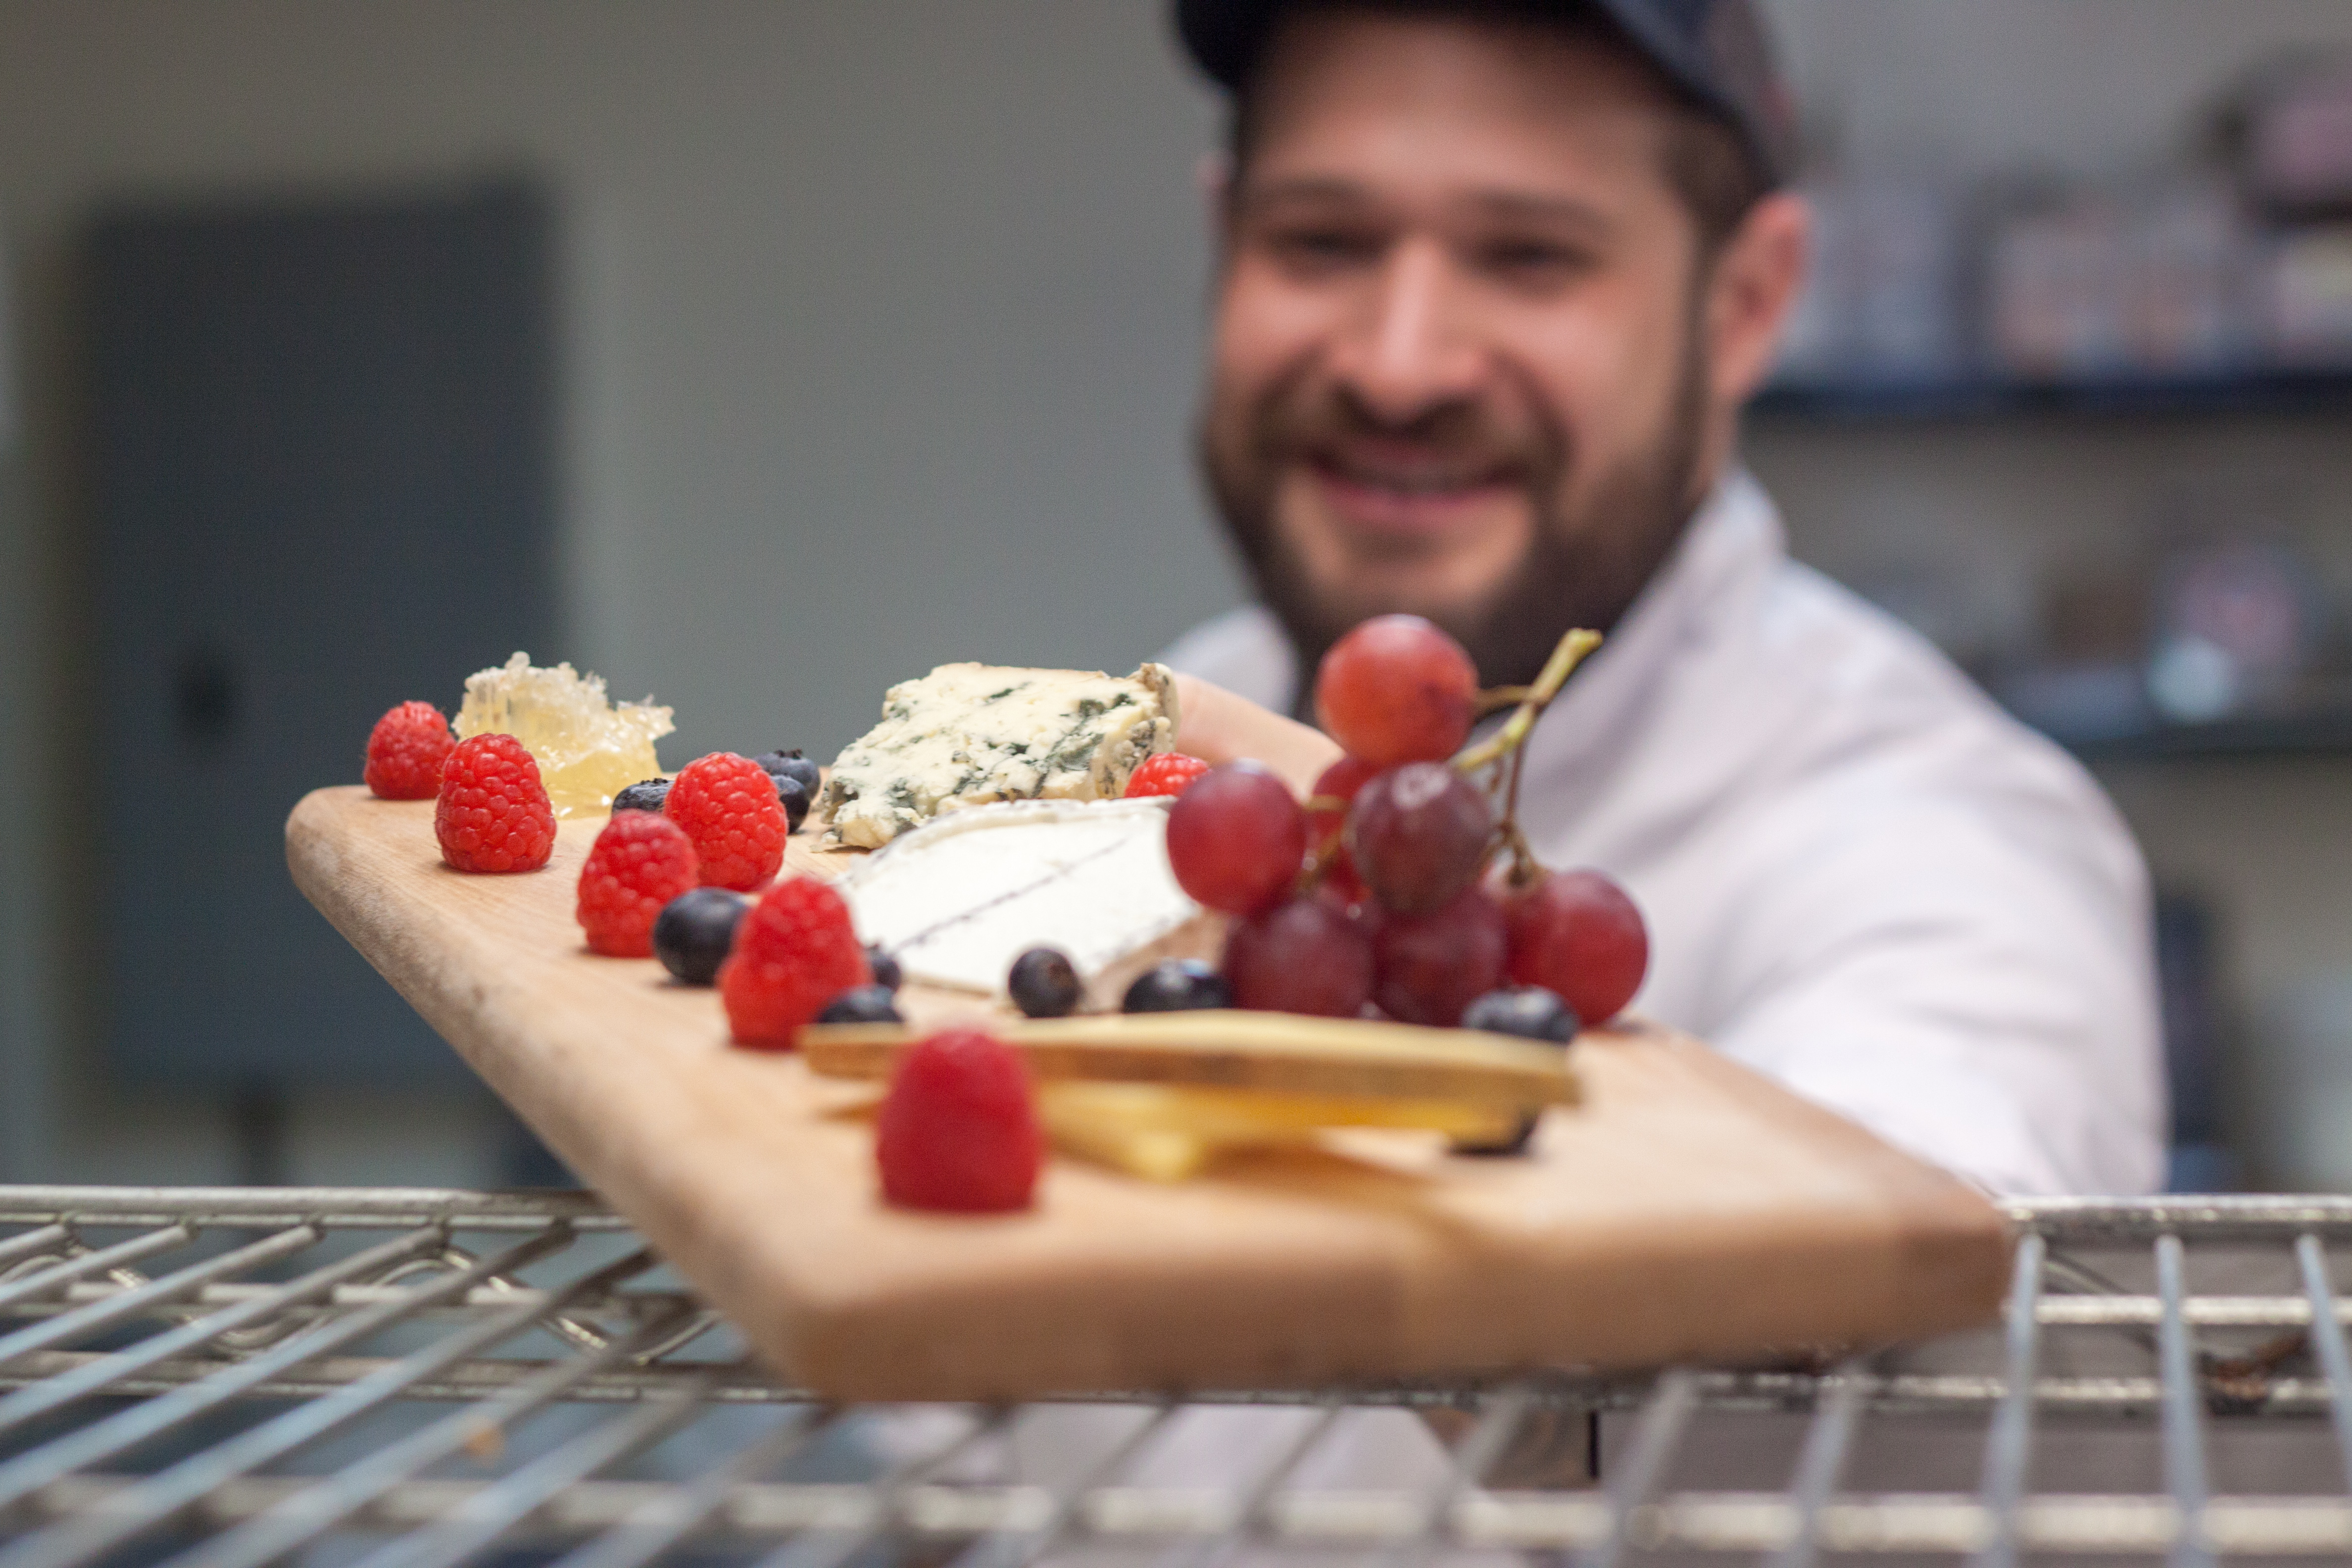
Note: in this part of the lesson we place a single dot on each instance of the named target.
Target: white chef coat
(1860, 876)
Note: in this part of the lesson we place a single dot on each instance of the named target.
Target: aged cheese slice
(958, 900)
(1278, 1052)
(969, 734)
(1167, 1132)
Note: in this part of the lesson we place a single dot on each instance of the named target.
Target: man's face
(1455, 368)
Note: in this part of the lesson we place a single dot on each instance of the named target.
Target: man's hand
(1216, 726)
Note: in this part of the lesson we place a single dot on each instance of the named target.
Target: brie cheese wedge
(956, 901)
(969, 733)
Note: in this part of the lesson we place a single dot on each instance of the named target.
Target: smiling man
(1495, 278)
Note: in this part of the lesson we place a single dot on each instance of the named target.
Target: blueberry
(694, 930)
(793, 765)
(862, 1004)
(1517, 1144)
(887, 972)
(792, 798)
(1043, 984)
(645, 796)
(1529, 1012)
(1176, 985)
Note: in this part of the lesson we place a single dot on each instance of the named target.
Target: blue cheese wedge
(967, 734)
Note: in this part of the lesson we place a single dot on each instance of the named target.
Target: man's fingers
(1216, 726)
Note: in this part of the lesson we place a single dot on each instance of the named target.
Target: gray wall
(881, 316)
(882, 330)
(27, 989)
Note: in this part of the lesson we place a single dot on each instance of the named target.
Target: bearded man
(1495, 277)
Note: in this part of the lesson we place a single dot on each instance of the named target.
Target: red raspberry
(493, 814)
(959, 1128)
(727, 806)
(405, 751)
(794, 952)
(641, 861)
(1166, 773)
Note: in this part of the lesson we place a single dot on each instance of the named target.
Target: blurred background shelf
(2302, 736)
(1868, 402)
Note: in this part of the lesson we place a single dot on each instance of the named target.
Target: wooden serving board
(1687, 1209)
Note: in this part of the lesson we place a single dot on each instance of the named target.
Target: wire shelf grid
(227, 1377)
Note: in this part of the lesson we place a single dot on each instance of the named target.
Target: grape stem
(1532, 701)
(1318, 863)
(1509, 743)
(1505, 743)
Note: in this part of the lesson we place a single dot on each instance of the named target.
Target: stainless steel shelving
(219, 1376)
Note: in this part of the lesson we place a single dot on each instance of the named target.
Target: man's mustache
(1462, 440)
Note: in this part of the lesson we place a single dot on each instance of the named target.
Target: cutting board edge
(837, 1358)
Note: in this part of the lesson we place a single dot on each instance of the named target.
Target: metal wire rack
(220, 1377)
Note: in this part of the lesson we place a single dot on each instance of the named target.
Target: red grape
(1302, 956)
(1431, 966)
(1237, 839)
(1418, 835)
(1397, 689)
(1340, 781)
(1577, 933)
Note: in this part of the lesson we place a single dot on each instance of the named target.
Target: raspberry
(1166, 773)
(959, 1128)
(794, 952)
(641, 861)
(727, 806)
(405, 751)
(493, 814)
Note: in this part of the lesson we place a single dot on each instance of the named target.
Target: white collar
(1732, 546)
(1733, 543)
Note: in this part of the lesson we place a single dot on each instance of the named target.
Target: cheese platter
(1684, 1208)
(1335, 1160)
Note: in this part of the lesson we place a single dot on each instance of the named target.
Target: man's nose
(1408, 353)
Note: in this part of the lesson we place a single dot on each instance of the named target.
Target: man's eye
(1321, 248)
(1529, 261)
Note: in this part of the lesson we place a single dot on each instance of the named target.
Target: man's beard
(1584, 566)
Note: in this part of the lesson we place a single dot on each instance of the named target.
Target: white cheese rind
(967, 734)
(956, 901)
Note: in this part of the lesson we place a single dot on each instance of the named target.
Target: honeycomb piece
(588, 750)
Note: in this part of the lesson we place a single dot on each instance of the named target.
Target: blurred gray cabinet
(320, 459)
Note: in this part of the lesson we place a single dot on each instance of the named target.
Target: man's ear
(1758, 275)
(1214, 174)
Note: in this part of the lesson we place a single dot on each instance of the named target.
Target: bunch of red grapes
(1390, 886)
